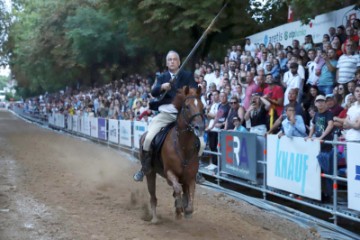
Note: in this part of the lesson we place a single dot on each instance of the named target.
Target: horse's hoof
(154, 221)
(188, 216)
(178, 216)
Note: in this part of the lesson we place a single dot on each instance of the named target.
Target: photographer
(257, 113)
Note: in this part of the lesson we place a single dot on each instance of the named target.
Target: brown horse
(177, 160)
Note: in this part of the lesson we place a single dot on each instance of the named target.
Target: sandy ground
(56, 186)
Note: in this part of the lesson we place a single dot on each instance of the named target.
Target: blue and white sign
(238, 154)
(125, 133)
(353, 175)
(292, 165)
(102, 129)
(139, 129)
(114, 131)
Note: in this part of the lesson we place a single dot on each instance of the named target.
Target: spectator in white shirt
(292, 80)
(352, 122)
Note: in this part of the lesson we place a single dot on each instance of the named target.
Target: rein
(188, 122)
(189, 128)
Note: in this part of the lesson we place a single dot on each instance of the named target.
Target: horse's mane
(180, 97)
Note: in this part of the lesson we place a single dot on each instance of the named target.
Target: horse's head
(191, 110)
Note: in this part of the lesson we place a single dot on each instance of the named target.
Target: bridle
(188, 121)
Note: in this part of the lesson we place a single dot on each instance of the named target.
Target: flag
(290, 14)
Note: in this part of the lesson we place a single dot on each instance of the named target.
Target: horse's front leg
(189, 208)
(174, 181)
(151, 183)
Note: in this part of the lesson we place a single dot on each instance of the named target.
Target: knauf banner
(75, 123)
(139, 129)
(353, 175)
(94, 127)
(125, 132)
(69, 122)
(238, 154)
(114, 131)
(292, 165)
(102, 129)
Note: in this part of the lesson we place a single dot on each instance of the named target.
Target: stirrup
(139, 176)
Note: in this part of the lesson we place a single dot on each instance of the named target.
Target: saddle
(159, 139)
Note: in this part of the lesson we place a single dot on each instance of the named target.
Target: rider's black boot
(145, 158)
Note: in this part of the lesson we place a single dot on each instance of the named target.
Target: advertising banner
(292, 165)
(75, 123)
(69, 122)
(51, 119)
(102, 128)
(353, 175)
(85, 125)
(60, 120)
(125, 133)
(94, 127)
(296, 30)
(139, 129)
(238, 155)
(114, 131)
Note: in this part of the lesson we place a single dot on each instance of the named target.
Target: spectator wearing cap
(348, 63)
(293, 125)
(332, 104)
(352, 122)
(322, 129)
(327, 75)
(237, 125)
(292, 80)
(257, 114)
(323, 122)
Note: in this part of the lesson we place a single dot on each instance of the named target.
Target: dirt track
(55, 186)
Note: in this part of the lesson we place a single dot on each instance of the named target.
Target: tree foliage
(4, 28)
(305, 10)
(52, 44)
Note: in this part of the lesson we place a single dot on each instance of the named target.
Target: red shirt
(275, 93)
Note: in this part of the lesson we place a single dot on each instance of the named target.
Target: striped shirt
(347, 65)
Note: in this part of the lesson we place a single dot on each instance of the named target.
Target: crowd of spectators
(255, 88)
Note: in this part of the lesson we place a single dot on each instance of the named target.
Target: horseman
(167, 111)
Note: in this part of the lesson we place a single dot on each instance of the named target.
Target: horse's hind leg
(151, 183)
(177, 192)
